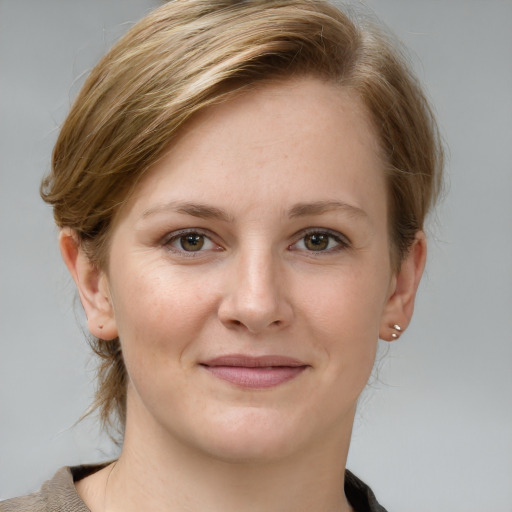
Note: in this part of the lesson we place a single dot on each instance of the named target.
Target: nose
(256, 296)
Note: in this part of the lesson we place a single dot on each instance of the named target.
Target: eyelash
(341, 242)
(179, 235)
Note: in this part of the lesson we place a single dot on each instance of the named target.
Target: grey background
(434, 430)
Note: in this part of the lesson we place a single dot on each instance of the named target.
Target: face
(250, 274)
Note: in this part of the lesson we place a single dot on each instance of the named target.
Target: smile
(255, 372)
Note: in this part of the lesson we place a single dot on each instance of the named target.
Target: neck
(161, 474)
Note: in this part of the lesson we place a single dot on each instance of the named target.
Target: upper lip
(246, 361)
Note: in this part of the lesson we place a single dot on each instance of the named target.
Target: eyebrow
(204, 211)
(320, 207)
(199, 210)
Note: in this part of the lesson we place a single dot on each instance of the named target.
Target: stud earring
(398, 330)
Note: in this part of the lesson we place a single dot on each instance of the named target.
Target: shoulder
(31, 503)
(56, 495)
(360, 496)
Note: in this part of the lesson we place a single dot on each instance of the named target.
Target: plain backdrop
(434, 429)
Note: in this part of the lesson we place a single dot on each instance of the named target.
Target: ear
(92, 284)
(399, 307)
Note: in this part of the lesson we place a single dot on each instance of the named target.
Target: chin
(249, 447)
(254, 435)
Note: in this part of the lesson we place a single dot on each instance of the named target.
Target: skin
(264, 171)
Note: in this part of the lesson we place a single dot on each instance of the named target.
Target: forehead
(301, 111)
(292, 141)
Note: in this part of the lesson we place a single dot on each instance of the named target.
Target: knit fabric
(59, 494)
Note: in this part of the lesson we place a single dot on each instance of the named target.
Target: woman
(241, 189)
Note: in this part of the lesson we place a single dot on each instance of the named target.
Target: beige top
(59, 494)
(56, 495)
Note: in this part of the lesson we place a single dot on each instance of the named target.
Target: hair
(189, 54)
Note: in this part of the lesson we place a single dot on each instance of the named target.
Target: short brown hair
(189, 54)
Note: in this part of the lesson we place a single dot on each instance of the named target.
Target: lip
(255, 372)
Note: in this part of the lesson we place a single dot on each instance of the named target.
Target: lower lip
(256, 378)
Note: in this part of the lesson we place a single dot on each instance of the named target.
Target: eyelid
(342, 240)
(167, 240)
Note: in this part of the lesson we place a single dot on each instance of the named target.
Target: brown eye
(191, 242)
(321, 241)
(317, 241)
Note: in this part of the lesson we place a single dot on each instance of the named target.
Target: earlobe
(92, 285)
(400, 304)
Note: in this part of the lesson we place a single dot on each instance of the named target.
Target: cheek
(158, 316)
(349, 302)
(343, 318)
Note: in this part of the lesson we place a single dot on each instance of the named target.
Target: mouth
(255, 372)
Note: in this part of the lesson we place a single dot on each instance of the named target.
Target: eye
(190, 241)
(321, 241)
